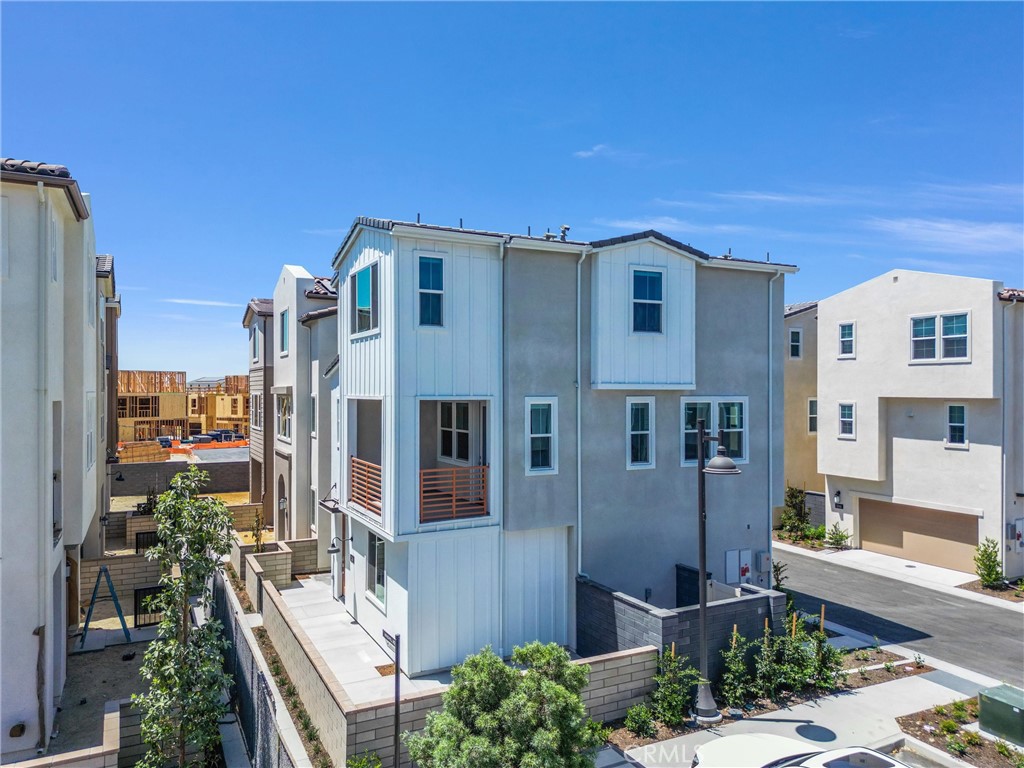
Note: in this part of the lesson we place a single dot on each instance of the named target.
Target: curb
(944, 759)
(966, 594)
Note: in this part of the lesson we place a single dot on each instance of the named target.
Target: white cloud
(785, 198)
(672, 224)
(202, 302)
(597, 150)
(953, 235)
(689, 204)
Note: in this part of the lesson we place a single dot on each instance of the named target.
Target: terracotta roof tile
(1009, 294)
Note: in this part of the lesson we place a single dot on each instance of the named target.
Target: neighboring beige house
(920, 390)
(801, 374)
(54, 300)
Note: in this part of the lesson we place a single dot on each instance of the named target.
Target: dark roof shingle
(796, 309)
(1011, 294)
(321, 289)
(32, 172)
(104, 265)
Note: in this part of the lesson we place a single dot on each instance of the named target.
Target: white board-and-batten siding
(536, 587)
(626, 360)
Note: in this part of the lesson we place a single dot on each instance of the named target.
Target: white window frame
(255, 344)
(254, 410)
(812, 401)
(90, 432)
(950, 424)
(373, 270)
(966, 336)
(934, 338)
(853, 420)
(529, 435)
(651, 433)
(453, 459)
(852, 354)
(443, 258)
(939, 356)
(283, 419)
(312, 414)
(799, 343)
(376, 544)
(713, 401)
(633, 269)
(283, 337)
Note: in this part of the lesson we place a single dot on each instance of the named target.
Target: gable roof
(796, 309)
(318, 314)
(257, 308)
(651, 234)
(322, 289)
(31, 172)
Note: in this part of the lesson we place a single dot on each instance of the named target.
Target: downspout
(771, 399)
(42, 373)
(1002, 465)
(579, 418)
(500, 418)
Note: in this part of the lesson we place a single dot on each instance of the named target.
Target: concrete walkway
(349, 651)
(931, 577)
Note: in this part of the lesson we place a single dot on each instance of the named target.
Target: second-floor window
(431, 291)
(255, 412)
(255, 344)
(640, 432)
(234, 406)
(376, 571)
(647, 301)
(847, 421)
(956, 424)
(812, 416)
(284, 416)
(541, 438)
(847, 340)
(283, 333)
(728, 414)
(454, 431)
(796, 343)
(939, 337)
(364, 300)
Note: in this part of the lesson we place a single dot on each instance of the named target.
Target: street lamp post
(707, 710)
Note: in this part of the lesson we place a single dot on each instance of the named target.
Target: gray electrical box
(1002, 713)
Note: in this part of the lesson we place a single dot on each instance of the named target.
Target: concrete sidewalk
(931, 577)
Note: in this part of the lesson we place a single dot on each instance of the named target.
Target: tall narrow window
(541, 437)
(647, 301)
(847, 421)
(255, 344)
(312, 415)
(283, 335)
(454, 423)
(956, 425)
(954, 336)
(731, 424)
(847, 341)
(796, 343)
(284, 416)
(812, 416)
(640, 426)
(431, 291)
(376, 572)
(922, 338)
(364, 300)
(693, 412)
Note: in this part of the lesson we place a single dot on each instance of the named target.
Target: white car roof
(852, 757)
(750, 749)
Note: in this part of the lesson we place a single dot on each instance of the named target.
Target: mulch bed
(1014, 595)
(624, 739)
(926, 726)
(239, 587)
(866, 657)
(813, 545)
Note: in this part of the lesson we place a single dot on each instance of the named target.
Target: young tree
(987, 564)
(496, 716)
(185, 665)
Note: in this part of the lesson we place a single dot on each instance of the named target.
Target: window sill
(941, 361)
(453, 462)
(541, 472)
(283, 354)
(284, 439)
(846, 437)
(372, 600)
(956, 446)
(641, 466)
(421, 327)
(846, 357)
(364, 334)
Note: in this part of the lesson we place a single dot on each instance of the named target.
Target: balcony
(452, 493)
(364, 484)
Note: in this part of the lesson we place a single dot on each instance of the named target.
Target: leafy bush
(735, 683)
(768, 674)
(971, 738)
(365, 760)
(959, 709)
(955, 747)
(918, 660)
(796, 506)
(796, 664)
(493, 714)
(940, 710)
(816, 533)
(949, 726)
(674, 688)
(640, 721)
(837, 538)
(779, 575)
(987, 564)
(1003, 748)
(827, 670)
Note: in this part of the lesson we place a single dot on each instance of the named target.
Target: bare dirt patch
(94, 679)
(943, 727)
(1014, 594)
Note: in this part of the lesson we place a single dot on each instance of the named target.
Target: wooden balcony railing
(452, 493)
(364, 484)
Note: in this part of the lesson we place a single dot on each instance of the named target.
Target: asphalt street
(979, 637)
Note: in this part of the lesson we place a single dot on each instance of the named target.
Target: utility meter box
(1002, 713)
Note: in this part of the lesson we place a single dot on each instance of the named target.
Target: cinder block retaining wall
(244, 516)
(609, 621)
(137, 524)
(127, 572)
(115, 525)
(304, 552)
(225, 476)
(103, 756)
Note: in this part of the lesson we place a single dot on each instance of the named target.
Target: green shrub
(768, 674)
(779, 575)
(889, 667)
(796, 662)
(863, 672)
(365, 760)
(987, 564)
(796, 507)
(1003, 748)
(674, 688)
(940, 710)
(959, 709)
(949, 726)
(816, 533)
(827, 664)
(735, 683)
(640, 721)
(971, 738)
(837, 538)
(918, 660)
(955, 747)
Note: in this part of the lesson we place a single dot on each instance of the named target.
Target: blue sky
(220, 141)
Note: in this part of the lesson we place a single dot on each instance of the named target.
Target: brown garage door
(928, 536)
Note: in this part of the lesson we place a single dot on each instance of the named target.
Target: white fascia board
(751, 266)
(424, 233)
(346, 245)
(657, 242)
(528, 243)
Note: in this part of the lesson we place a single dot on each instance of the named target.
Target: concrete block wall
(244, 516)
(137, 524)
(132, 747)
(103, 756)
(610, 621)
(618, 681)
(127, 572)
(304, 555)
(276, 562)
(225, 476)
(253, 580)
(237, 556)
(371, 727)
(321, 693)
(115, 525)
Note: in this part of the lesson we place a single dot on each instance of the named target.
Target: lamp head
(721, 464)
